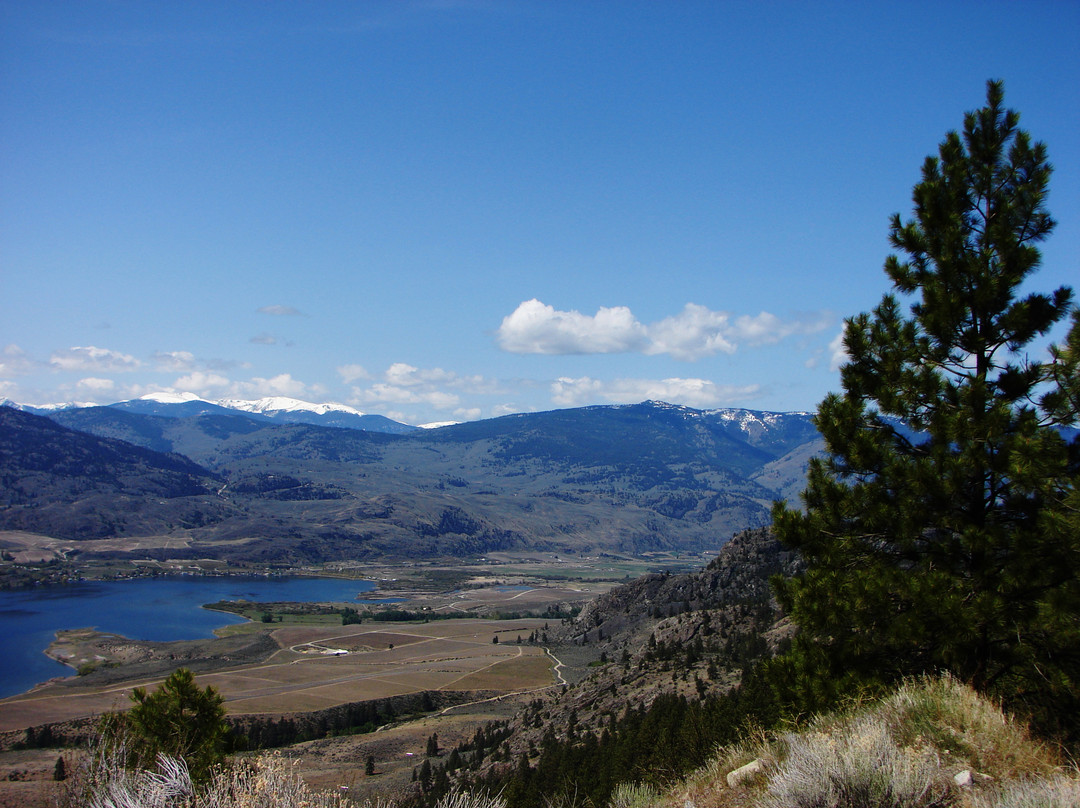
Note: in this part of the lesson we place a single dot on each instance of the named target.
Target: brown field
(305, 674)
(319, 667)
(398, 750)
(36, 547)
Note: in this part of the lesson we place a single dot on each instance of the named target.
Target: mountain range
(287, 481)
(275, 409)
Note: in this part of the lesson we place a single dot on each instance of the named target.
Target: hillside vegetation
(931, 744)
(634, 479)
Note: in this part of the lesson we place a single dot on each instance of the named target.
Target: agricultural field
(306, 662)
(317, 667)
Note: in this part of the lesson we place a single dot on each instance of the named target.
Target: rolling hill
(72, 485)
(631, 479)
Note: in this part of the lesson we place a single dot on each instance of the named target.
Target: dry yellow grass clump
(933, 743)
(266, 781)
(103, 781)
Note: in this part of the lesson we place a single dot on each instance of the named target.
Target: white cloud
(405, 375)
(506, 409)
(174, 361)
(352, 373)
(264, 339)
(382, 393)
(14, 361)
(692, 333)
(569, 392)
(201, 383)
(441, 400)
(762, 329)
(403, 387)
(89, 358)
(696, 331)
(279, 311)
(281, 385)
(535, 327)
(403, 383)
(211, 385)
(477, 385)
(86, 391)
(94, 386)
(837, 353)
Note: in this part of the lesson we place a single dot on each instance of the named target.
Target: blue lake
(144, 609)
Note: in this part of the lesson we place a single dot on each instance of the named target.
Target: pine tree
(181, 720)
(929, 529)
(424, 777)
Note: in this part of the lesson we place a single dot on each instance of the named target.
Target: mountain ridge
(293, 410)
(630, 478)
(280, 409)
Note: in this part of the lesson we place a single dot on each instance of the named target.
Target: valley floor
(313, 662)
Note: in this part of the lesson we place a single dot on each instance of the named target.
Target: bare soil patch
(398, 750)
(26, 777)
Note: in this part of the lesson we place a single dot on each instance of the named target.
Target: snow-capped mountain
(277, 409)
(172, 398)
(294, 411)
(751, 419)
(758, 428)
(276, 404)
(45, 409)
(263, 406)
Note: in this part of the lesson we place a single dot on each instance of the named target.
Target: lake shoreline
(68, 573)
(103, 657)
(139, 615)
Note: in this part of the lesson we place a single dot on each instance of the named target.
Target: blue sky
(455, 210)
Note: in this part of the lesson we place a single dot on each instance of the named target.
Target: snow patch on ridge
(745, 418)
(39, 408)
(172, 398)
(285, 404)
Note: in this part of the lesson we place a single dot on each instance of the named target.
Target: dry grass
(862, 766)
(704, 786)
(903, 752)
(528, 670)
(1053, 792)
(263, 782)
(462, 799)
(967, 729)
(632, 795)
(267, 781)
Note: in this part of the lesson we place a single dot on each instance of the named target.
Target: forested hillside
(629, 479)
